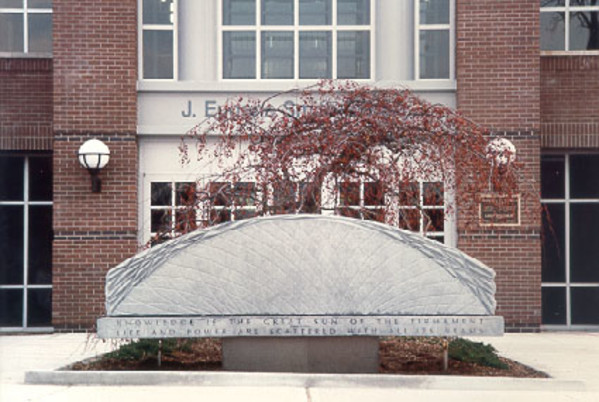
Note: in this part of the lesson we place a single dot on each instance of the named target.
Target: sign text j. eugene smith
(235, 326)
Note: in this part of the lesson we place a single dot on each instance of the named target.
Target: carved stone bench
(300, 292)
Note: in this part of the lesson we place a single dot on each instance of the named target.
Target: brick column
(95, 74)
(498, 71)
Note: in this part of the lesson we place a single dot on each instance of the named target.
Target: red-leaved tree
(342, 148)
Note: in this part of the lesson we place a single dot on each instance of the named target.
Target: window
(25, 241)
(289, 198)
(434, 44)
(570, 256)
(26, 26)
(570, 25)
(232, 202)
(172, 208)
(362, 200)
(296, 39)
(159, 39)
(422, 209)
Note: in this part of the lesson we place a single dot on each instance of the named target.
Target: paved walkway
(565, 356)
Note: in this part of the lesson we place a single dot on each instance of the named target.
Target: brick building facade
(128, 75)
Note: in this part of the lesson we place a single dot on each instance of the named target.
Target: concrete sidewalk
(572, 359)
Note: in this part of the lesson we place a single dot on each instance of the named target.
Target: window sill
(280, 86)
(21, 55)
(569, 53)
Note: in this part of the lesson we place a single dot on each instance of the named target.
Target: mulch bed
(397, 356)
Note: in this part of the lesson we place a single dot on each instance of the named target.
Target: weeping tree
(341, 148)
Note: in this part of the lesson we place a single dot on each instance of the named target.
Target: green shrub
(475, 352)
(147, 348)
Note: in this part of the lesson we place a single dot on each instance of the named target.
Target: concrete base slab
(302, 354)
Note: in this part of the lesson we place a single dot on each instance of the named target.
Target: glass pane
(553, 176)
(219, 216)
(349, 194)
(584, 305)
(40, 245)
(160, 220)
(353, 54)
(239, 54)
(157, 12)
(283, 197)
(377, 215)
(315, 55)
(40, 179)
(553, 306)
(349, 212)
(584, 243)
(244, 194)
(39, 307)
(409, 219)
(374, 194)
(239, 12)
(552, 3)
(277, 12)
(161, 194)
(39, 3)
(11, 185)
(409, 194)
(584, 30)
(315, 12)
(11, 307)
(220, 193)
(277, 55)
(186, 194)
(40, 32)
(552, 31)
(158, 54)
(584, 176)
(185, 220)
(434, 11)
(11, 245)
(11, 3)
(434, 54)
(11, 33)
(353, 12)
(241, 214)
(432, 194)
(553, 243)
(434, 220)
(309, 194)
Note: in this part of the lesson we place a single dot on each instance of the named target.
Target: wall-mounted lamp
(94, 155)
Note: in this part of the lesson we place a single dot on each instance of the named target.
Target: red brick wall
(570, 101)
(95, 64)
(498, 73)
(25, 104)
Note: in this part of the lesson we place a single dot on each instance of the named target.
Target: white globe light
(93, 154)
(502, 151)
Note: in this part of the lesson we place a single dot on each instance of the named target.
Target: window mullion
(567, 239)
(25, 236)
(25, 28)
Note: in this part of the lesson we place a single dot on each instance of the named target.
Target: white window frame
(567, 9)
(25, 11)
(25, 286)
(158, 27)
(450, 27)
(296, 28)
(568, 284)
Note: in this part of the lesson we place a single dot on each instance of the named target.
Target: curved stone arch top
(300, 265)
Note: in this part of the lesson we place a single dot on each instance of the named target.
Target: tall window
(434, 49)
(569, 25)
(296, 39)
(26, 26)
(570, 259)
(159, 39)
(25, 241)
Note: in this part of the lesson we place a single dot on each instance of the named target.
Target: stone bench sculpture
(300, 292)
